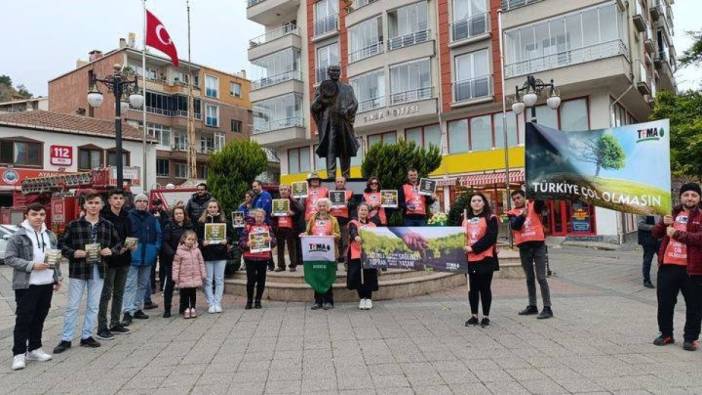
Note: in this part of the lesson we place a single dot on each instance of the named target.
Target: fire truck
(61, 195)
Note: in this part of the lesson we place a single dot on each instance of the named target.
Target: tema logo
(315, 247)
(650, 134)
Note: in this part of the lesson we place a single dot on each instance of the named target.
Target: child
(256, 261)
(188, 272)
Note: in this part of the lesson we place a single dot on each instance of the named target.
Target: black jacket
(215, 252)
(645, 238)
(171, 239)
(197, 205)
(122, 226)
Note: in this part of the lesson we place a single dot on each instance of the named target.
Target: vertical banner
(625, 169)
(319, 259)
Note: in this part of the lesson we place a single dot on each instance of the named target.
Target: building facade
(430, 71)
(35, 103)
(221, 106)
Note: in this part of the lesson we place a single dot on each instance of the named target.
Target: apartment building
(429, 71)
(20, 105)
(222, 109)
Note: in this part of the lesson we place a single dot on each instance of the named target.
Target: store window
(382, 138)
(425, 136)
(481, 133)
(511, 123)
(458, 136)
(574, 115)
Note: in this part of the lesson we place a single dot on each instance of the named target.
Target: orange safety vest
(322, 227)
(675, 251)
(257, 229)
(342, 212)
(415, 203)
(532, 230)
(475, 229)
(313, 195)
(373, 199)
(354, 245)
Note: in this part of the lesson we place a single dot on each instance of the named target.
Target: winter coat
(216, 252)
(692, 237)
(19, 255)
(121, 223)
(263, 201)
(146, 228)
(197, 205)
(79, 233)
(171, 240)
(188, 267)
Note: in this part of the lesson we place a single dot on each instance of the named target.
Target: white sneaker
(212, 309)
(18, 362)
(369, 304)
(38, 355)
(362, 304)
(218, 308)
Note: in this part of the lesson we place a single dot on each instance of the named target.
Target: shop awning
(484, 179)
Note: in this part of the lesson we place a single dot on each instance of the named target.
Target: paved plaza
(599, 342)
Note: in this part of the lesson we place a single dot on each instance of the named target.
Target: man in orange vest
(412, 204)
(342, 215)
(528, 231)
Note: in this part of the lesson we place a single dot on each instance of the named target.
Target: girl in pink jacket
(188, 272)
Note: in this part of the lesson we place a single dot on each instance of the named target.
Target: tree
(232, 170)
(685, 114)
(605, 152)
(693, 55)
(8, 92)
(457, 207)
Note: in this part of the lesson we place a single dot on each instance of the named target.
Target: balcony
(411, 95)
(371, 104)
(276, 79)
(567, 58)
(413, 106)
(271, 12)
(509, 5)
(280, 132)
(471, 27)
(471, 90)
(169, 113)
(407, 40)
(360, 4)
(326, 26)
(363, 53)
(642, 83)
(273, 41)
(639, 18)
(649, 43)
(277, 85)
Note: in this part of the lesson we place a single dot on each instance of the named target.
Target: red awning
(474, 180)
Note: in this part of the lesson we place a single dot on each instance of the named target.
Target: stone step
(298, 277)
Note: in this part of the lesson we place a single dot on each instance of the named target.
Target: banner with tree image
(415, 248)
(625, 168)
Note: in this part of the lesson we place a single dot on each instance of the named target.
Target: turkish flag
(157, 37)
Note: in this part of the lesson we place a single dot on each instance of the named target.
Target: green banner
(319, 261)
(320, 275)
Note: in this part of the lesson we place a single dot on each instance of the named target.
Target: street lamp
(533, 88)
(120, 85)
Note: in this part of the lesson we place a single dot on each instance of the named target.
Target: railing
(409, 39)
(470, 27)
(170, 113)
(264, 127)
(509, 5)
(360, 4)
(371, 104)
(566, 58)
(180, 146)
(412, 95)
(326, 24)
(288, 28)
(276, 79)
(473, 88)
(371, 50)
(251, 3)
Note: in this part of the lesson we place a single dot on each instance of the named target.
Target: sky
(50, 35)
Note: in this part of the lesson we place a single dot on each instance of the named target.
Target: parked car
(6, 231)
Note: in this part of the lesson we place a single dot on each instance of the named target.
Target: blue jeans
(135, 289)
(415, 222)
(75, 294)
(215, 272)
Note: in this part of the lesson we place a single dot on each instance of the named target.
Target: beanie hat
(141, 196)
(690, 186)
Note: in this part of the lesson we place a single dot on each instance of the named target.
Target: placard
(216, 233)
(281, 208)
(238, 220)
(427, 187)
(259, 242)
(337, 198)
(299, 190)
(389, 198)
(131, 242)
(92, 252)
(52, 258)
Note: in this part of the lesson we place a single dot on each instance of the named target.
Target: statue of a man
(334, 110)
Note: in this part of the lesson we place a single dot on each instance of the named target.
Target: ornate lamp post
(533, 88)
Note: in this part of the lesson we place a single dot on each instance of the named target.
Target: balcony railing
(276, 79)
(411, 95)
(409, 39)
(288, 28)
(474, 88)
(326, 24)
(566, 58)
(212, 121)
(264, 127)
(371, 104)
(360, 4)
(170, 113)
(371, 50)
(470, 27)
(251, 3)
(509, 5)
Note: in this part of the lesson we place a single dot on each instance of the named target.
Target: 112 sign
(61, 155)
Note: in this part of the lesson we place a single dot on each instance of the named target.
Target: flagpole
(143, 84)
(192, 153)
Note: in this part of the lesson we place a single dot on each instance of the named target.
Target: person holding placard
(285, 230)
(481, 230)
(373, 197)
(322, 223)
(215, 236)
(315, 191)
(364, 281)
(34, 279)
(256, 242)
(412, 202)
(340, 210)
(171, 240)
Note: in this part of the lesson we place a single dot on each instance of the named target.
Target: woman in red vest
(256, 262)
(481, 229)
(322, 223)
(371, 196)
(364, 281)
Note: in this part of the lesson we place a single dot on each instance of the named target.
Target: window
(180, 170)
(425, 136)
(366, 39)
(546, 116)
(370, 90)
(207, 143)
(21, 153)
(382, 138)
(327, 55)
(180, 141)
(458, 136)
(112, 158)
(481, 133)
(236, 126)
(219, 141)
(410, 82)
(162, 167)
(326, 16)
(574, 115)
(211, 86)
(408, 25)
(321, 163)
(278, 113)
(278, 67)
(212, 112)
(235, 89)
(469, 18)
(511, 129)
(201, 171)
(472, 76)
(161, 133)
(89, 158)
(174, 105)
(299, 160)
